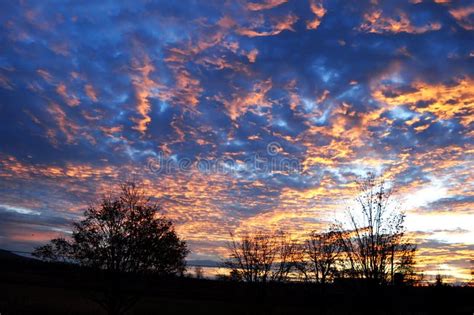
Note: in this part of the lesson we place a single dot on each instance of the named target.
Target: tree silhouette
(124, 234)
(471, 283)
(373, 239)
(198, 272)
(262, 257)
(439, 280)
(321, 254)
(57, 250)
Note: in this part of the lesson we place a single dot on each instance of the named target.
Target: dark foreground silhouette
(29, 286)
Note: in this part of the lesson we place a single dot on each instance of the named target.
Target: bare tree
(402, 264)
(262, 257)
(288, 256)
(198, 272)
(321, 254)
(252, 257)
(471, 283)
(373, 238)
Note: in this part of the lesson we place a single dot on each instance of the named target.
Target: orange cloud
(219, 63)
(463, 17)
(226, 22)
(294, 98)
(45, 75)
(110, 131)
(143, 85)
(70, 171)
(90, 92)
(71, 100)
(35, 237)
(5, 82)
(375, 22)
(188, 89)
(68, 128)
(319, 11)
(444, 101)
(243, 101)
(61, 48)
(282, 25)
(252, 55)
(264, 5)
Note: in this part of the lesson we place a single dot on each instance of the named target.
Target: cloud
(5, 83)
(281, 24)
(464, 16)
(20, 210)
(252, 55)
(444, 101)
(143, 87)
(377, 22)
(71, 100)
(264, 5)
(69, 128)
(243, 100)
(91, 93)
(426, 195)
(319, 11)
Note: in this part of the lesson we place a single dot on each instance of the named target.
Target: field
(31, 287)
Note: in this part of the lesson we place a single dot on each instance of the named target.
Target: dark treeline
(370, 244)
(35, 287)
(125, 250)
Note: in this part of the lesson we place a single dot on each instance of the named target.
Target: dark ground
(31, 287)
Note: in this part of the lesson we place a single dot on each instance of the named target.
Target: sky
(239, 116)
